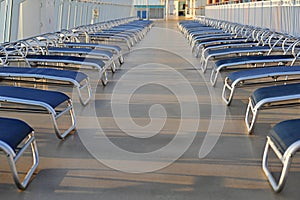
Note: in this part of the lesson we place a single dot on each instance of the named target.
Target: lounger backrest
(288, 44)
(3, 56)
(296, 51)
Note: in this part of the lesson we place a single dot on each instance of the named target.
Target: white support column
(5, 16)
(167, 9)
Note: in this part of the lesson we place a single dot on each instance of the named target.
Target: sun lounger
(54, 103)
(270, 97)
(284, 140)
(115, 49)
(262, 46)
(228, 51)
(250, 77)
(246, 60)
(222, 43)
(129, 33)
(15, 137)
(21, 51)
(78, 80)
(71, 60)
(96, 37)
(58, 40)
(199, 41)
(100, 54)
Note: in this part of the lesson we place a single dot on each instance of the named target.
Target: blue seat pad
(81, 50)
(13, 131)
(92, 45)
(212, 39)
(233, 43)
(263, 72)
(70, 58)
(275, 91)
(212, 36)
(101, 34)
(253, 59)
(51, 98)
(285, 133)
(238, 49)
(78, 76)
(200, 30)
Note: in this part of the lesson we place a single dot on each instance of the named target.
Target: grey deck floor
(121, 154)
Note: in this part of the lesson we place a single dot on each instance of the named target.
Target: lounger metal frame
(269, 45)
(285, 159)
(13, 158)
(54, 114)
(286, 47)
(267, 103)
(230, 86)
(22, 49)
(84, 85)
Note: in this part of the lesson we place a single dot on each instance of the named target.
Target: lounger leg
(202, 60)
(286, 161)
(227, 88)
(197, 51)
(113, 67)
(251, 115)
(213, 76)
(205, 63)
(121, 59)
(22, 184)
(104, 78)
(55, 117)
(87, 86)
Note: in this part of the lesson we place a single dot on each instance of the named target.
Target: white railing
(278, 15)
(24, 18)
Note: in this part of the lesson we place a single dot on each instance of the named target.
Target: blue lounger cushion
(52, 98)
(246, 59)
(285, 133)
(67, 58)
(15, 132)
(275, 91)
(257, 72)
(238, 50)
(103, 34)
(81, 50)
(210, 39)
(78, 76)
(233, 43)
(15, 137)
(93, 44)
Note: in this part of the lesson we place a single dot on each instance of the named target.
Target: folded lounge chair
(15, 137)
(78, 80)
(270, 97)
(54, 103)
(284, 140)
